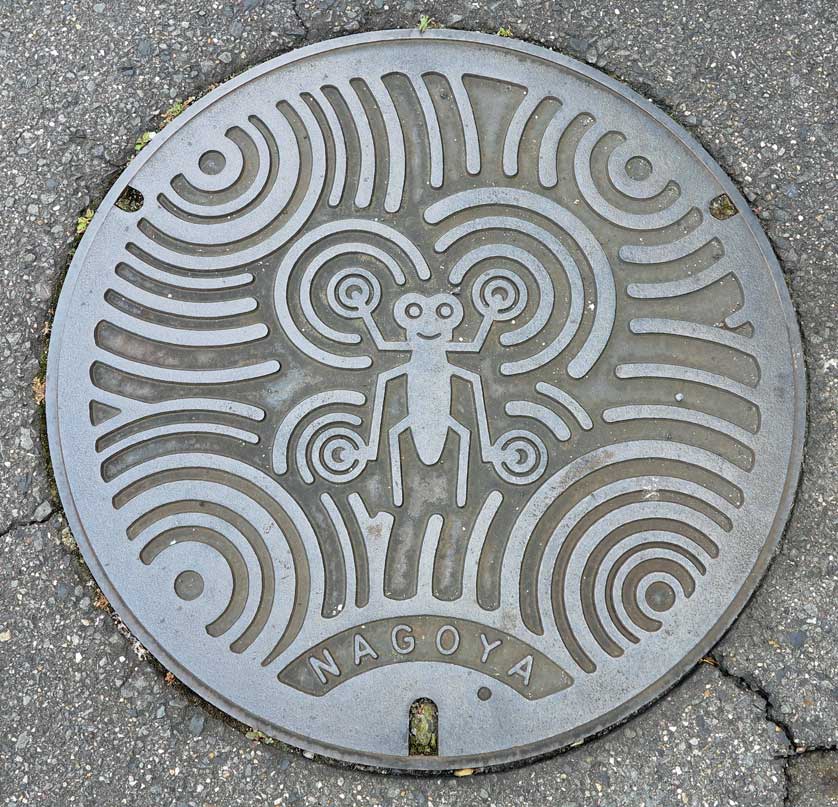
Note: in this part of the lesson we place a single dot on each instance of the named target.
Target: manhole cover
(431, 367)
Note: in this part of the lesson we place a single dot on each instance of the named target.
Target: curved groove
(678, 288)
(220, 375)
(309, 431)
(185, 337)
(339, 143)
(635, 576)
(180, 428)
(436, 155)
(571, 537)
(395, 145)
(299, 412)
(216, 198)
(132, 423)
(623, 559)
(548, 174)
(529, 262)
(268, 238)
(346, 548)
(542, 414)
(560, 252)
(244, 528)
(226, 548)
(619, 414)
(180, 281)
(645, 189)
(366, 145)
(694, 330)
(471, 139)
(568, 402)
(266, 493)
(522, 556)
(227, 190)
(323, 258)
(133, 411)
(680, 372)
(209, 273)
(268, 193)
(582, 166)
(646, 254)
(476, 540)
(515, 131)
(290, 261)
(183, 308)
(592, 573)
(604, 313)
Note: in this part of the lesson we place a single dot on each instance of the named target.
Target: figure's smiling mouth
(429, 338)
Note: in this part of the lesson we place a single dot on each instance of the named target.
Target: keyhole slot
(423, 728)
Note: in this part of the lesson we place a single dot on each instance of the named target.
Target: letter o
(409, 641)
(455, 643)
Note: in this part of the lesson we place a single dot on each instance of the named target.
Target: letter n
(322, 667)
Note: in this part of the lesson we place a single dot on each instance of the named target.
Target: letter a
(523, 669)
(362, 649)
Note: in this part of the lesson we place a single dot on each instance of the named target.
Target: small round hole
(212, 162)
(189, 585)
(639, 168)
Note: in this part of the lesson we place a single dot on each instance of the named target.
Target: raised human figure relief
(428, 321)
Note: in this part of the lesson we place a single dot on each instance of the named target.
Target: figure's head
(428, 317)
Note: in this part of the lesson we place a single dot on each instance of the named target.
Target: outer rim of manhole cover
(520, 751)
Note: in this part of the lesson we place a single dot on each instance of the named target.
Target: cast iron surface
(432, 366)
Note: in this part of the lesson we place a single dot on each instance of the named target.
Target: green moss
(130, 200)
(259, 736)
(174, 110)
(142, 141)
(424, 729)
(505, 31)
(83, 221)
(722, 207)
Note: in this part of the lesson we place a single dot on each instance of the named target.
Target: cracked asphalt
(87, 719)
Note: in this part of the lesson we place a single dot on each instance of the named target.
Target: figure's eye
(414, 310)
(444, 310)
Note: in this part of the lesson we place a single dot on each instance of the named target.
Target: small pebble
(196, 725)
(43, 511)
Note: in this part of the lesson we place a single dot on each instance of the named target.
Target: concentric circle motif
(432, 366)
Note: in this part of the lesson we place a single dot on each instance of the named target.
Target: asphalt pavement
(87, 718)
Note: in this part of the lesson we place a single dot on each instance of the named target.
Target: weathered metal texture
(424, 371)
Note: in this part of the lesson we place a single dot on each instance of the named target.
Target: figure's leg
(464, 436)
(396, 459)
(378, 409)
(479, 410)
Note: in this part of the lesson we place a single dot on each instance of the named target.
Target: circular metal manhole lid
(432, 366)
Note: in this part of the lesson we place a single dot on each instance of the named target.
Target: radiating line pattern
(368, 349)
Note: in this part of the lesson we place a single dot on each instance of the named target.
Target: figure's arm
(380, 342)
(378, 408)
(476, 345)
(480, 410)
